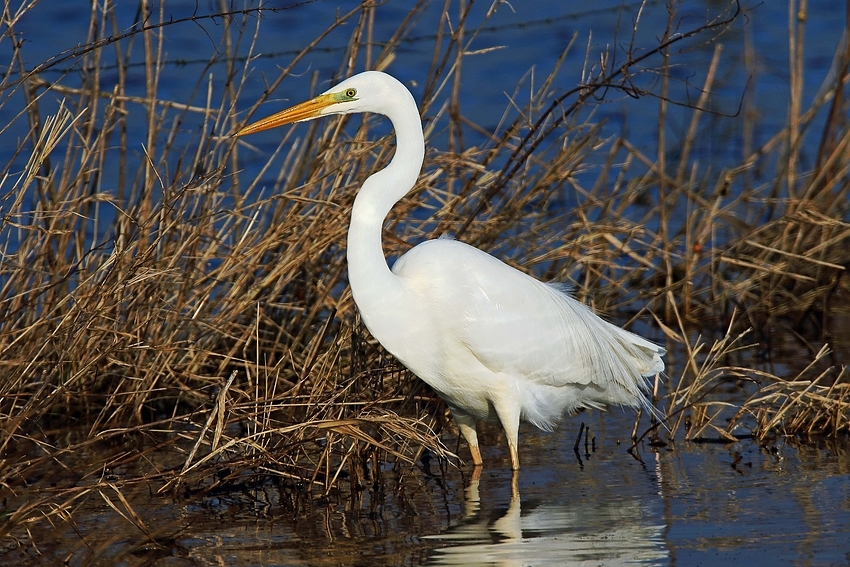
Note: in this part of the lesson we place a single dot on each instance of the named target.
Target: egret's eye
(351, 93)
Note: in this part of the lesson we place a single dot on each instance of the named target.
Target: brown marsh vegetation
(189, 326)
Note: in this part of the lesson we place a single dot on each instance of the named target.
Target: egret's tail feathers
(644, 357)
(645, 354)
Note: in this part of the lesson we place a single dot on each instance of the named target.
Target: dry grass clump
(156, 298)
(165, 317)
(815, 401)
(776, 253)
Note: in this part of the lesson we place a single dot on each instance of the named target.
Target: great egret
(494, 343)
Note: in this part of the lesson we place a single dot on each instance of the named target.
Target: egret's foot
(466, 425)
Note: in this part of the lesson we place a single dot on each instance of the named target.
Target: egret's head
(371, 91)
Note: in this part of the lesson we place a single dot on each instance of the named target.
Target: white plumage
(494, 343)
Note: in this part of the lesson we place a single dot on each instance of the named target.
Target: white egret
(494, 342)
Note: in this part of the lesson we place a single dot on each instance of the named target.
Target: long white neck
(374, 287)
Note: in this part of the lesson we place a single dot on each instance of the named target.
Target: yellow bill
(300, 112)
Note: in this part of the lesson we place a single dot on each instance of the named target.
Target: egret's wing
(519, 325)
(516, 324)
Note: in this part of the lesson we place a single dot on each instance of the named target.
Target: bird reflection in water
(584, 531)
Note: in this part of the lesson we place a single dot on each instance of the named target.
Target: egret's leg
(508, 412)
(466, 424)
(514, 453)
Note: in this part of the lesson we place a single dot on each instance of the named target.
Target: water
(528, 38)
(784, 502)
